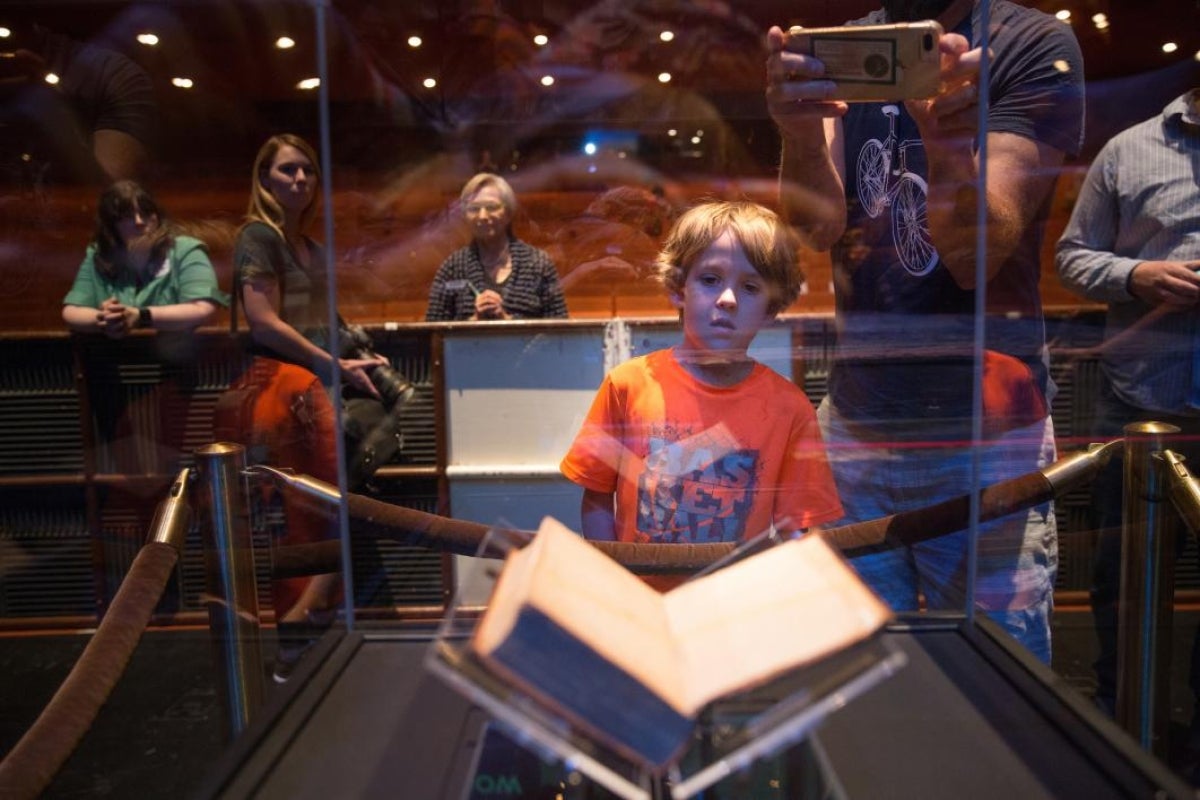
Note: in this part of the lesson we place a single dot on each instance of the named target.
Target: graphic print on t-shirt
(885, 183)
(698, 489)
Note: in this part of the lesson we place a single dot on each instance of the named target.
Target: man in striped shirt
(1134, 242)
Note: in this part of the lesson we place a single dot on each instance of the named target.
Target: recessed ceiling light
(148, 39)
(285, 42)
(308, 84)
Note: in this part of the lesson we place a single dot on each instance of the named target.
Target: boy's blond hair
(770, 246)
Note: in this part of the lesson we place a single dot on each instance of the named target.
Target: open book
(633, 667)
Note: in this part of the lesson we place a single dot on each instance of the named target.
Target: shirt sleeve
(554, 303)
(1084, 256)
(1039, 92)
(197, 278)
(86, 289)
(808, 493)
(254, 256)
(594, 458)
(443, 302)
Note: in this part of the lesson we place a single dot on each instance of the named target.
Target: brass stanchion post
(1149, 529)
(232, 595)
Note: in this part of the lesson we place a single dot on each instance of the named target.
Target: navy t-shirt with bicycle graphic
(905, 328)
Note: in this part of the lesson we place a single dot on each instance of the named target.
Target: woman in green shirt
(138, 273)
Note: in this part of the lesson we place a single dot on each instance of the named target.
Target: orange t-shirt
(690, 462)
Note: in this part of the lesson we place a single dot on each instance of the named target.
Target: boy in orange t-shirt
(701, 443)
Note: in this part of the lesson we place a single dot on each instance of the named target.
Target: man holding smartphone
(893, 191)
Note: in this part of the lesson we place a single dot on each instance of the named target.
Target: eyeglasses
(475, 209)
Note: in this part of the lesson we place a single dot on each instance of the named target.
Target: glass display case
(607, 120)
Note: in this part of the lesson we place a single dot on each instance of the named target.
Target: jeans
(1017, 555)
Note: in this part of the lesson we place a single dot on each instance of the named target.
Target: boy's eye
(752, 288)
(709, 280)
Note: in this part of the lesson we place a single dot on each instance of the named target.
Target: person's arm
(597, 517)
(442, 306)
(175, 317)
(1085, 257)
(1021, 170)
(812, 194)
(260, 298)
(554, 302)
(81, 307)
(119, 155)
(83, 319)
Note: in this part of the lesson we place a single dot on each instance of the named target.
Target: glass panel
(608, 121)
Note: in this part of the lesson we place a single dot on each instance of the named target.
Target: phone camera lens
(928, 41)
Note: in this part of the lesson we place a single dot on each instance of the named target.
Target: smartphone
(875, 62)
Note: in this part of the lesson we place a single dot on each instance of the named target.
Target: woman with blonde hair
(281, 408)
(497, 276)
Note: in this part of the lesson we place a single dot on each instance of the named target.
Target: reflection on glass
(424, 95)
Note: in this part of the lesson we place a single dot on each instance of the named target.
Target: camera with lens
(371, 427)
(899, 61)
(393, 387)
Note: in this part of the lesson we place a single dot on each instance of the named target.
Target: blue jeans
(1017, 556)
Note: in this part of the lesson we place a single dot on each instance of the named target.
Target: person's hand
(116, 319)
(797, 94)
(1166, 283)
(355, 372)
(489, 305)
(953, 111)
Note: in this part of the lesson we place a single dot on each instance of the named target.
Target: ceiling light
(541, 40)
(664, 77)
(547, 80)
(182, 83)
(1064, 15)
(308, 84)
(148, 39)
(429, 83)
(1169, 47)
(51, 78)
(667, 36)
(285, 42)
(414, 41)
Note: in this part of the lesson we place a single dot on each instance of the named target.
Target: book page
(780, 609)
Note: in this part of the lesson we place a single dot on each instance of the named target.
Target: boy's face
(724, 300)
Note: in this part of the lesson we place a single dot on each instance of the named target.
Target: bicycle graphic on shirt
(884, 181)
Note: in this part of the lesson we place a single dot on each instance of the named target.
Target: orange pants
(282, 415)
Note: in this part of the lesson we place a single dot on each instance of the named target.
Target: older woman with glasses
(497, 276)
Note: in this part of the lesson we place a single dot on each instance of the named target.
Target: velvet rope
(33, 762)
(374, 518)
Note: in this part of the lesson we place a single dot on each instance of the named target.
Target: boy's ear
(676, 298)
